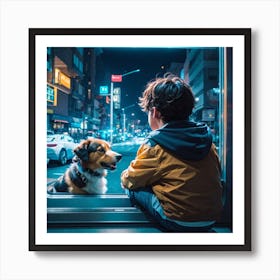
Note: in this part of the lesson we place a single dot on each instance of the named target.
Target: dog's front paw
(105, 189)
(51, 189)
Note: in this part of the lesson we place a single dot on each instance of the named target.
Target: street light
(124, 118)
(118, 79)
(131, 72)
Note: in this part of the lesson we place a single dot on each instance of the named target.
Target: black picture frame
(242, 34)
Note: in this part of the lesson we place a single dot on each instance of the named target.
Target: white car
(60, 147)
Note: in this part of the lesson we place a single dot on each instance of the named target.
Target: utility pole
(111, 112)
(118, 79)
(124, 118)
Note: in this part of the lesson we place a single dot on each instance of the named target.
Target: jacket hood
(184, 139)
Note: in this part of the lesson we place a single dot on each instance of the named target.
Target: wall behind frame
(15, 19)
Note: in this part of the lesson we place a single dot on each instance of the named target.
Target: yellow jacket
(188, 190)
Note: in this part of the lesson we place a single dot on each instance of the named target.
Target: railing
(95, 213)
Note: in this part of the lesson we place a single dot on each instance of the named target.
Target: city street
(128, 151)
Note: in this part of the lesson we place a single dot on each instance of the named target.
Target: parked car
(91, 134)
(50, 132)
(60, 148)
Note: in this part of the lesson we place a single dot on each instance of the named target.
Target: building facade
(201, 72)
(71, 104)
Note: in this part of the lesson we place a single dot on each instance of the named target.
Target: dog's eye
(100, 149)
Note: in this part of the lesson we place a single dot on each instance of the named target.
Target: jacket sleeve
(144, 170)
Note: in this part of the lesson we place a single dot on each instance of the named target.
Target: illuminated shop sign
(52, 95)
(62, 79)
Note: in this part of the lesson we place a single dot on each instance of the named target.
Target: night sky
(152, 62)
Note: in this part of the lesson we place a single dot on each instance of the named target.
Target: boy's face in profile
(151, 120)
(154, 119)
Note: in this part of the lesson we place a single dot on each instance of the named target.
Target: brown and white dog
(86, 175)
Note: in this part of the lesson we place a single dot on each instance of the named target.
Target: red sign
(116, 78)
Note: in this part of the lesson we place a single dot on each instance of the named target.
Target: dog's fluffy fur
(86, 175)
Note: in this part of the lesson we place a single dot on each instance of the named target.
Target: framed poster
(85, 84)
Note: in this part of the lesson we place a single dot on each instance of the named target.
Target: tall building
(201, 72)
(71, 103)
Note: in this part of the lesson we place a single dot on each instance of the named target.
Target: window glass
(124, 125)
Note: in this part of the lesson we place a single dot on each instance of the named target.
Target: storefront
(60, 123)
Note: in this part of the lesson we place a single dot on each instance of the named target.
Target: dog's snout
(118, 157)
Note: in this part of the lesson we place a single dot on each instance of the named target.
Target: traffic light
(108, 99)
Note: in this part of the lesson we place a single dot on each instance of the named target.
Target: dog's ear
(82, 152)
(92, 147)
(84, 149)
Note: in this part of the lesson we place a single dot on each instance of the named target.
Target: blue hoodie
(186, 140)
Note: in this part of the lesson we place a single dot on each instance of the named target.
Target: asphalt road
(128, 151)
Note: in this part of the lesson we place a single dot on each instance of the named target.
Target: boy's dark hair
(172, 97)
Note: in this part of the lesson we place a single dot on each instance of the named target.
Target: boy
(175, 176)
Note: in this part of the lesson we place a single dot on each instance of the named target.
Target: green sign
(103, 90)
